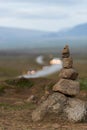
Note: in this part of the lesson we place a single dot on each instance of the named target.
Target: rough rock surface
(67, 87)
(68, 74)
(68, 62)
(54, 104)
(76, 110)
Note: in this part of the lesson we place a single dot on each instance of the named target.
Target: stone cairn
(63, 102)
(68, 75)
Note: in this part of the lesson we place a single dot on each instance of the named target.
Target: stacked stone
(68, 75)
(62, 102)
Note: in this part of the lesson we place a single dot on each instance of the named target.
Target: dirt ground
(16, 110)
(20, 119)
(17, 116)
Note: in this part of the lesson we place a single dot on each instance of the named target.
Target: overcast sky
(47, 15)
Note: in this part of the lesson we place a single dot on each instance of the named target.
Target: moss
(20, 83)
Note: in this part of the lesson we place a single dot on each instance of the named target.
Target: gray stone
(67, 87)
(68, 74)
(76, 110)
(68, 62)
(53, 104)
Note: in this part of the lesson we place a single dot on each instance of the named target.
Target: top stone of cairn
(65, 52)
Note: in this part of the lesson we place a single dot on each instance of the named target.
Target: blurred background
(29, 29)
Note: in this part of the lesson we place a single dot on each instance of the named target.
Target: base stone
(76, 110)
(63, 107)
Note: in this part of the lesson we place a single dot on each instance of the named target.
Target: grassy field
(15, 64)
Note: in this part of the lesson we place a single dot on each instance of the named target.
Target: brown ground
(15, 110)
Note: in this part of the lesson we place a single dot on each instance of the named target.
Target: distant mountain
(80, 30)
(77, 31)
(23, 38)
(13, 37)
(19, 33)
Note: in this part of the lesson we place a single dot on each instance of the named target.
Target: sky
(45, 15)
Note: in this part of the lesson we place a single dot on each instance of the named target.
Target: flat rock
(67, 87)
(68, 74)
(68, 62)
(76, 110)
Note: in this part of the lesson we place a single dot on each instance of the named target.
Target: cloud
(33, 11)
(40, 1)
(50, 15)
(43, 12)
(46, 1)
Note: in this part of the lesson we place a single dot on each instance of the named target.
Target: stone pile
(68, 75)
(63, 102)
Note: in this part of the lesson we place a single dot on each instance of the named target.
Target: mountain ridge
(20, 38)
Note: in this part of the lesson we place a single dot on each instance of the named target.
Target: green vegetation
(17, 84)
(20, 83)
(83, 84)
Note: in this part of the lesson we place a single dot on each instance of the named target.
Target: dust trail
(47, 70)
